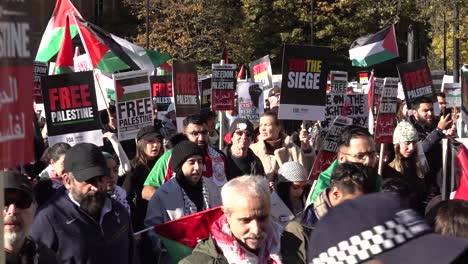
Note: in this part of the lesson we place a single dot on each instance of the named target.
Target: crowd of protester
(90, 204)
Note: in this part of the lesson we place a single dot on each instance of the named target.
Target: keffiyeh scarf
(236, 253)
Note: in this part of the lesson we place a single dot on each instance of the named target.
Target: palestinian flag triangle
(374, 48)
(110, 53)
(64, 62)
(180, 236)
(53, 34)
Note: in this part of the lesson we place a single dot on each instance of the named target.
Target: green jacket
(157, 175)
(323, 181)
(205, 252)
(293, 248)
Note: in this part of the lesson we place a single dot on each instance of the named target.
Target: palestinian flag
(180, 236)
(53, 34)
(64, 62)
(374, 48)
(110, 53)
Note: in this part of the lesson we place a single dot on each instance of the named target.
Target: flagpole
(102, 94)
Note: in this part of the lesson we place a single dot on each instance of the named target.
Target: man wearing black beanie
(186, 193)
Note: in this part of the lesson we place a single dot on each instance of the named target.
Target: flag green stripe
(111, 63)
(54, 44)
(374, 59)
(136, 95)
(62, 69)
(157, 58)
(176, 250)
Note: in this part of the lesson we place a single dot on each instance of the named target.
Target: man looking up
(196, 130)
(82, 223)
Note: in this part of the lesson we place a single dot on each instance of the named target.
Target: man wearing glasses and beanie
(240, 158)
(82, 224)
(18, 214)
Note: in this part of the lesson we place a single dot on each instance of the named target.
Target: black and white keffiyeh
(189, 206)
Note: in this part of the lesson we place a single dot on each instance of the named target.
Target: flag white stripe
(366, 50)
(136, 53)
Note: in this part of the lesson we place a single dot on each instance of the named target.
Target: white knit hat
(404, 132)
(292, 171)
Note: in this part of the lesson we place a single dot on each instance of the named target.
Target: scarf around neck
(236, 253)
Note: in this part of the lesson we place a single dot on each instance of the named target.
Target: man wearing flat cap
(18, 214)
(82, 224)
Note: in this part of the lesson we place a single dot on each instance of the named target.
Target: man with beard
(431, 131)
(196, 130)
(355, 145)
(18, 215)
(245, 232)
(82, 224)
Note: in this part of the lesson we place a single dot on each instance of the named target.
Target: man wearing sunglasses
(355, 145)
(82, 223)
(196, 130)
(18, 214)
(240, 158)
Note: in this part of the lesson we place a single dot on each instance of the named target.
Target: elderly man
(82, 223)
(245, 233)
(196, 130)
(18, 215)
(240, 158)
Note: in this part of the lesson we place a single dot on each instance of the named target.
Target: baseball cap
(148, 132)
(274, 91)
(241, 124)
(13, 179)
(379, 226)
(85, 161)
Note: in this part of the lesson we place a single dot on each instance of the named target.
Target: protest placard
(40, 69)
(303, 86)
(185, 89)
(223, 86)
(250, 99)
(386, 114)
(416, 81)
(437, 76)
(161, 91)
(204, 85)
(133, 103)
(464, 92)
(261, 71)
(71, 108)
(452, 93)
(353, 105)
(327, 152)
(16, 82)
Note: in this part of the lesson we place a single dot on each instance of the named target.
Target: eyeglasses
(197, 133)
(362, 155)
(20, 200)
(241, 132)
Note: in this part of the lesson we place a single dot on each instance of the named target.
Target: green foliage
(199, 30)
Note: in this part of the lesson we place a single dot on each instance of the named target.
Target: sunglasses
(240, 133)
(362, 155)
(196, 133)
(20, 200)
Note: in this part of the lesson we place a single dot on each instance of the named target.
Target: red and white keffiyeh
(235, 253)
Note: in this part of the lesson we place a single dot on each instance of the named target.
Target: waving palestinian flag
(180, 236)
(110, 53)
(374, 48)
(55, 30)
